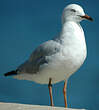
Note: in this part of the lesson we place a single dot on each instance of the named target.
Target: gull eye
(73, 10)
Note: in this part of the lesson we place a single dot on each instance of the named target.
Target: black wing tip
(11, 73)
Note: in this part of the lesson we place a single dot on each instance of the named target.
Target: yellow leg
(64, 92)
(50, 91)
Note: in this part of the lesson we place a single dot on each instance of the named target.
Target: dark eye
(73, 10)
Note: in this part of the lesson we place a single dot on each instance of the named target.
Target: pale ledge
(15, 106)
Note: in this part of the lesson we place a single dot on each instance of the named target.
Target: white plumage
(60, 57)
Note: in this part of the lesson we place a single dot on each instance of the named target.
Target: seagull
(57, 59)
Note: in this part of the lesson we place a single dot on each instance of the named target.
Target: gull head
(74, 12)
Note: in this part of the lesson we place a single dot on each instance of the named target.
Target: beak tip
(91, 19)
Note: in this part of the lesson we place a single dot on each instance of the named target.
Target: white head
(74, 12)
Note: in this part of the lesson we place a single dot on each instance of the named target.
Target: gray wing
(38, 57)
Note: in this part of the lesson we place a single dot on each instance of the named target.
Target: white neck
(71, 31)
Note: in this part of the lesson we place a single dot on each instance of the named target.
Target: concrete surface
(14, 106)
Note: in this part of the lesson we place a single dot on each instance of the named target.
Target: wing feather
(38, 57)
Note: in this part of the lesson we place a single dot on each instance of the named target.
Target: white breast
(73, 41)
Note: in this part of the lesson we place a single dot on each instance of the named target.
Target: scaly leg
(50, 91)
(64, 92)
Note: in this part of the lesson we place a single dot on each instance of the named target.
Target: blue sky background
(24, 24)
